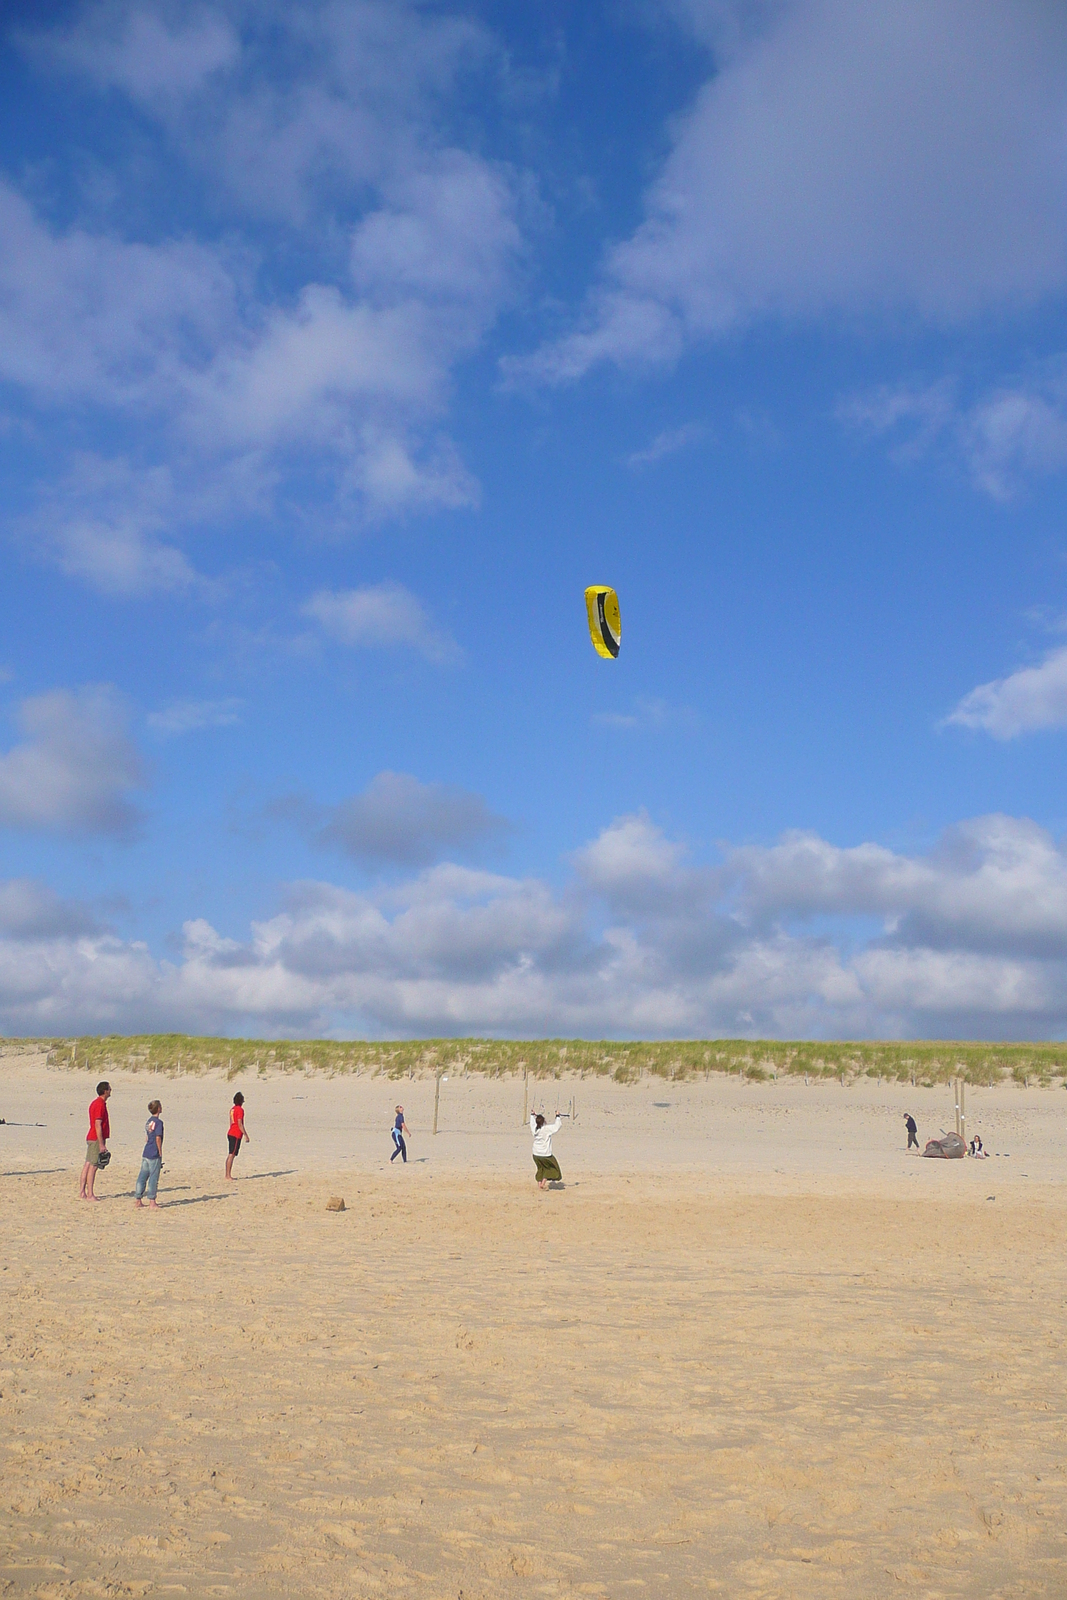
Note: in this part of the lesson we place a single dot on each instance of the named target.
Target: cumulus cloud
(329, 120)
(1016, 433)
(1005, 437)
(89, 316)
(667, 443)
(1024, 702)
(75, 768)
(648, 713)
(972, 941)
(380, 615)
(399, 821)
(190, 716)
(846, 157)
(31, 910)
(362, 102)
(141, 52)
(104, 522)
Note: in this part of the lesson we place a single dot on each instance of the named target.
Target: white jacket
(542, 1137)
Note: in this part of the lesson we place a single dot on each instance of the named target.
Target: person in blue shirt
(400, 1127)
(151, 1157)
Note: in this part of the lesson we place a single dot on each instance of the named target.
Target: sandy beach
(752, 1348)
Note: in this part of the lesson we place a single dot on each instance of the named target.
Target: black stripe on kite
(611, 644)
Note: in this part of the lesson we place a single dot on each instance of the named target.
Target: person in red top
(95, 1140)
(237, 1130)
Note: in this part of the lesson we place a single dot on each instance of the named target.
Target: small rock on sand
(335, 1203)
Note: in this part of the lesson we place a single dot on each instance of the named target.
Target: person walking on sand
(151, 1157)
(400, 1127)
(909, 1123)
(237, 1133)
(545, 1162)
(96, 1142)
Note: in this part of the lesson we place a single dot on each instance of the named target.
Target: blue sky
(342, 345)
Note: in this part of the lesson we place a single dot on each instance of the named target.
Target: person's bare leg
(89, 1195)
(229, 1168)
(85, 1178)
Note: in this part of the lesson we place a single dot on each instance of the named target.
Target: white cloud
(668, 443)
(1027, 700)
(104, 522)
(973, 942)
(995, 883)
(366, 90)
(89, 317)
(31, 910)
(906, 156)
(383, 614)
(329, 119)
(648, 713)
(1005, 437)
(920, 412)
(139, 52)
(397, 819)
(639, 872)
(74, 771)
(1014, 434)
(189, 716)
(363, 371)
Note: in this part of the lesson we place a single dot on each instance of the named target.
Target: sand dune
(752, 1348)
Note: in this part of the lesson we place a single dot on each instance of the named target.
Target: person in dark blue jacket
(400, 1127)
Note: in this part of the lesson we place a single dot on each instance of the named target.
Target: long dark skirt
(548, 1168)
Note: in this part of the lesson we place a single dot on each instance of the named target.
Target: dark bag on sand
(950, 1147)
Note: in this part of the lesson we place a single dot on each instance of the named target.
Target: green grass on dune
(676, 1061)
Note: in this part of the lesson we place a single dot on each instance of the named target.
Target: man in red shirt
(95, 1140)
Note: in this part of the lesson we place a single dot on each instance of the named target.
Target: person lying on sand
(545, 1162)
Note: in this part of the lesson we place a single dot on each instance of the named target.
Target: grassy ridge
(921, 1063)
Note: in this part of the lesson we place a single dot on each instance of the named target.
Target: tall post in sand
(525, 1094)
(956, 1098)
(963, 1110)
(436, 1096)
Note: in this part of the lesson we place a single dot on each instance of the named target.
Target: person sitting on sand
(237, 1132)
(400, 1127)
(909, 1123)
(545, 1162)
(96, 1141)
(151, 1157)
(977, 1148)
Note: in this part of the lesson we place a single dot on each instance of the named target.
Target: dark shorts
(234, 1141)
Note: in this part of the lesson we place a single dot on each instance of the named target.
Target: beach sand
(751, 1349)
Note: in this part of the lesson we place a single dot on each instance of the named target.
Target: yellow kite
(605, 624)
